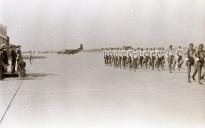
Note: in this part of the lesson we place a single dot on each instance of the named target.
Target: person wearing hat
(190, 60)
(199, 57)
(13, 58)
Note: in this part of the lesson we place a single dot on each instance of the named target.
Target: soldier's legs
(153, 62)
(200, 65)
(189, 71)
(13, 66)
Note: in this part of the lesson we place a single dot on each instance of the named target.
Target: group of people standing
(155, 58)
(12, 55)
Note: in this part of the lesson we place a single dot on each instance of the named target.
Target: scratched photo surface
(68, 83)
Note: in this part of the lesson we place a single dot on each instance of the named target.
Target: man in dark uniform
(5, 59)
(190, 59)
(199, 62)
(13, 58)
(1, 64)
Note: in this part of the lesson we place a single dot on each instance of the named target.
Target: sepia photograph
(102, 63)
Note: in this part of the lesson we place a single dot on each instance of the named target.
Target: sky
(60, 24)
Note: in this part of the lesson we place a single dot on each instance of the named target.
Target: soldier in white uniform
(120, 56)
(116, 58)
(158, 58)
(110, 57)
(141, 52)
(163, 57)
(124, 54)
(180, 60)
(170, 55)
(135, 59)
(153, 58)
(129, 56)
(146, 57)
(105, 54)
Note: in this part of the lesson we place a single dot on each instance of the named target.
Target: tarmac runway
(78, 91)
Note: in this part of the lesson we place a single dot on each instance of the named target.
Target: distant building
(4, 39)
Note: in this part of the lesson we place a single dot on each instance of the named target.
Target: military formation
(158, 58)
(13, 59)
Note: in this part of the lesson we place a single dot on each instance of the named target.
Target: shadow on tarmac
(34, 76)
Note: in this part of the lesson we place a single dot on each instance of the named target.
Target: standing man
(5, 58)
(170, 55)
(190, 59)
(13, 58)
(199, 62)
(19, 57)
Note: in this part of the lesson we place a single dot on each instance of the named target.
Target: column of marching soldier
(15, 56)
(155, 58)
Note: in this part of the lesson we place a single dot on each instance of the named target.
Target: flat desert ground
(78, 91)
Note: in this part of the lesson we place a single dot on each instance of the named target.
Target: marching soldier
(153, 58)
(170, 55)
(158, 58)
(124, 53)
(113, 56)
(135, 59)
(162, 57)
(146, 57)
(129, 56)
(199, 62)
(190, 59)
(105, 54)
(110, 57)
(120, 56)
(141, 57)
(116, 58)
(180, 60)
